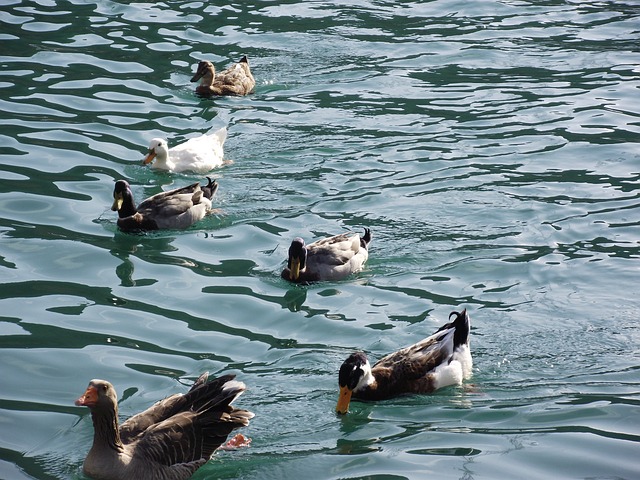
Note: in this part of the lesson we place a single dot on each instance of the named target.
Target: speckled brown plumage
(235, 80)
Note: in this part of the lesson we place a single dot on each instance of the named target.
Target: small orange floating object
(238, 441)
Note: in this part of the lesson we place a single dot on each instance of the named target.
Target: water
(492, 148)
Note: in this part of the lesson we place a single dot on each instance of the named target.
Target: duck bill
(198, 75)
(118, 199)
(89, 398)
(294, 269)
(343, 400)
(149, 158)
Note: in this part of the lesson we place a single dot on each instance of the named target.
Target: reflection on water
(490, 147)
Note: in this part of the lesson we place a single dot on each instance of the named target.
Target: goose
(439, 360)
(176, 209)
(332, 258)
(199, 154)
(170, 440)
(235, 80)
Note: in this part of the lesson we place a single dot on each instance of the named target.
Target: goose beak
(343, 400)
(294, 269)
(89, 398)
(149, 158)
(118, 199)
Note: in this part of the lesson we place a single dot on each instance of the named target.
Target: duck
(198, 155)
(176, 209)
(235, 80)
(437, 361)
(170, 440)
(331, 258)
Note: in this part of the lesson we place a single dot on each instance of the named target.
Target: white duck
(440, 360)
(199, 155)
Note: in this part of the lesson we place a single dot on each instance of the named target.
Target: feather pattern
(332, 258)
(176, 209)
(170, 440)
(235, 80)
(439, 360)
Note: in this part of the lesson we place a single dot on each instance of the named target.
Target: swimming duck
(178, 208)
(331, 258)
(440, 360)
(200, 154)
(169, 440)
(235, 80)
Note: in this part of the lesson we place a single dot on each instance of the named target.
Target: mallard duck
(169, 440)
(235, 80)
(331, 258)
(440, 360)
(200, 154)
(179, 208)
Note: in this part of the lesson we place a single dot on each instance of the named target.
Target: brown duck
(168, 441)
(235, 80)
(439, 360)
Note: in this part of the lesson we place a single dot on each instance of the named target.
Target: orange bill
(149, 158)
(343, 400)
(90, 397)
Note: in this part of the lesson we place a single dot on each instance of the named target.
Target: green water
(491, 147)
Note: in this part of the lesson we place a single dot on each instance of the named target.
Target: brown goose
(168, 441)
(235, 80)
(331, 258)
(440, 360)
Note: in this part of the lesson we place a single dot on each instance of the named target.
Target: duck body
(439, 360)
(199, 154)
(170, 440)
(235, 80)
(332, 258)
(176, 209)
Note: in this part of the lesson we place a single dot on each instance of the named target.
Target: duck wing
(425, 366)
(199, 154)
(336, 257)
(235, 80)
(179, 208)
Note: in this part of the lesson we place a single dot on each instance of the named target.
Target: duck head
(206, 71)
(123, 199)
(297, 258)
(355, 373)
(158, 148)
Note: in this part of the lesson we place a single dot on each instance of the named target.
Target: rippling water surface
(492, 148)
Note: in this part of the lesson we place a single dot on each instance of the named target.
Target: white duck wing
(199, 154)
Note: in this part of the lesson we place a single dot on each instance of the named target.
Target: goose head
(100, 394)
